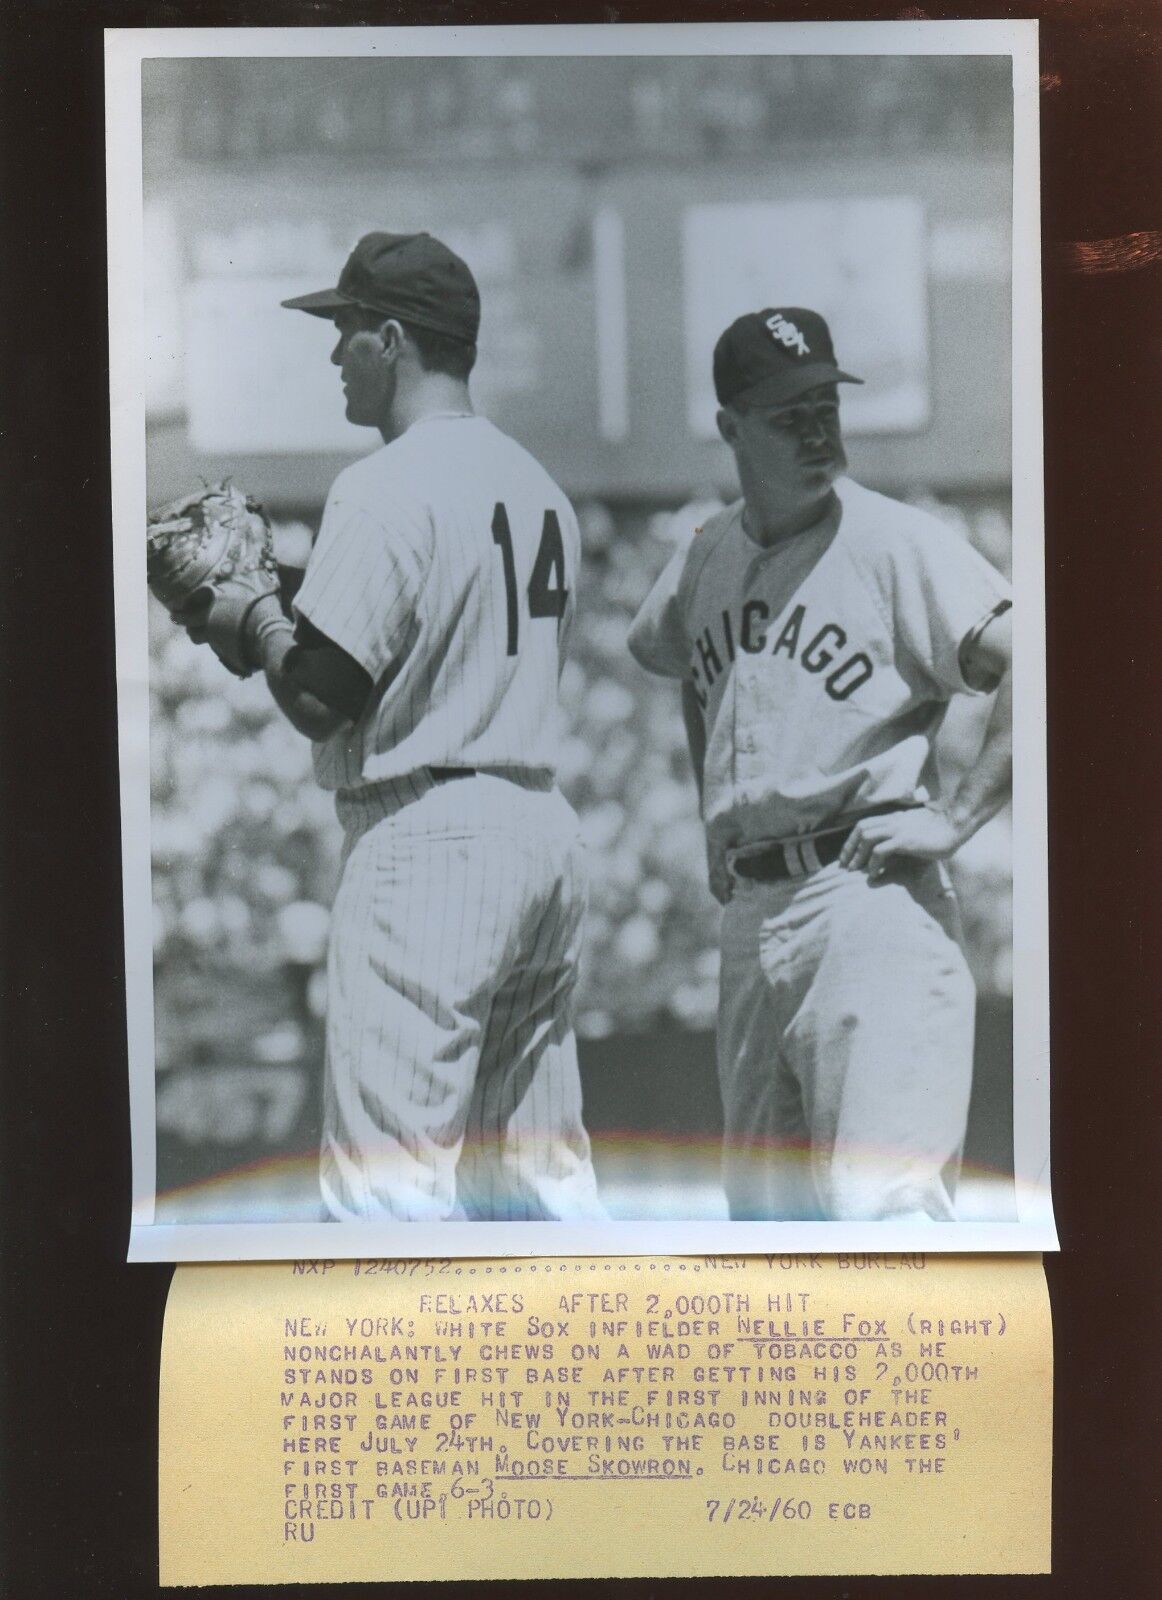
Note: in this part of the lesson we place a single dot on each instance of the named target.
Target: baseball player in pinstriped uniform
(819, 631)
(422, 659)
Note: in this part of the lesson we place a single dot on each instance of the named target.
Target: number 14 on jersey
(547, 594)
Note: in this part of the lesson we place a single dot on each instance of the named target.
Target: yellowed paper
(372, 1420)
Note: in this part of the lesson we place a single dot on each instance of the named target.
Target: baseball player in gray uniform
(422, 659)
(819, 631)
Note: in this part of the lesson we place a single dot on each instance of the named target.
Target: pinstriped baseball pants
(452, 1087)
(845, 1044)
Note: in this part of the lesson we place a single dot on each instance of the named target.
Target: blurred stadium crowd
(245, 847)
(653, 108)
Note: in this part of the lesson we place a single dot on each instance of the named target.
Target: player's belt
(524, 777)
(796, 858)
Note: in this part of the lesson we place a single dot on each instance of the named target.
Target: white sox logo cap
(768, 357)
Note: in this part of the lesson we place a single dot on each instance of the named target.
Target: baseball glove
(210, 560)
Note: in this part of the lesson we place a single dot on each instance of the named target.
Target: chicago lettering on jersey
(818, 650)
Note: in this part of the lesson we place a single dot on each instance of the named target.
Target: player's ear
(727, 421)
(392, 337)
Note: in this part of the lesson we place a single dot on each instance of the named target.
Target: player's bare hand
(721, 882)
(922, 833)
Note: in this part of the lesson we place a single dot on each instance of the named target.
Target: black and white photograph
(579, 573)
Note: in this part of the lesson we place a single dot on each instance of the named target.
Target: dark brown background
(81, 1329)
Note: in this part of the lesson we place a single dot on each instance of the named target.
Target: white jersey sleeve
(659, 636)
(366, 573)
(941, 591)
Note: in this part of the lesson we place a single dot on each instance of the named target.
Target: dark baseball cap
(406, 275)
(768, 357)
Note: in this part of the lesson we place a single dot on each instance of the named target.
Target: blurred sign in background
(617, 213)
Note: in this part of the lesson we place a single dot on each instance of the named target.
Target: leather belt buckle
(803, 856)
(799, 858)
(792, 858)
